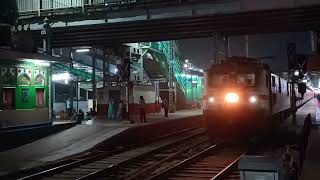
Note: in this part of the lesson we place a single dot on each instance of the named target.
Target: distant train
(242, 97)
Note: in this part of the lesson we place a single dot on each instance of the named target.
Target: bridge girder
(268, 21)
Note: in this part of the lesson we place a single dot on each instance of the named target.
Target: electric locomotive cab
(236, 96)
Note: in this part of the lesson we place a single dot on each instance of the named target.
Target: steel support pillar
(104, 70)
(291, 52)
(171, 76)
(227, 46)
(71, 95)
(94, 83)
(247, 45)
(47, 48)
(215, 48)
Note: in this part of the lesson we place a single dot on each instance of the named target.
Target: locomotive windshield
(247, 80)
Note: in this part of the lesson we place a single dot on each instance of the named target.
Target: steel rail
(98, 173)
(95, 157)
(184, 162)
(188, 163)
(226, 171)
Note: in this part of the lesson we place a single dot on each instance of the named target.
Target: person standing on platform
(165, 107)
(110, 109)
(80, 116)
(142, 110)
(119, 112)
(69, 108)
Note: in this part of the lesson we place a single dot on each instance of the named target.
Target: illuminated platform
(84, 137)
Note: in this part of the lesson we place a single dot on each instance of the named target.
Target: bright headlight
(211, 99)
(253, 99)
(231, 97)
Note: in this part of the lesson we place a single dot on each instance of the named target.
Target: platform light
(61, 76)
(116, 70)
(304, 80)
(82, 50)
(66, 81)
(37, 62)
(201, 70)
(296, 73)
(211, 99)
(186, 61)
(185, 65)
(232, 97)
(253, 99)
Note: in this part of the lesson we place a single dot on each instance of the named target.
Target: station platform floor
(77, 139)
(151, 117)
(311, 167)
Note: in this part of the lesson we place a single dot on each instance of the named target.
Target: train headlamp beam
(232, 97)
(253, 99)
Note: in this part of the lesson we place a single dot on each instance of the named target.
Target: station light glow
(185, 65)
(186, 61)
(232, 97)
(296, 73)
(82, 50)
(211, 99)
(37, 62)
(61, 77)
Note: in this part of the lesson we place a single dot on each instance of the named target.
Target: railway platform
(311, 167)
(92, 133)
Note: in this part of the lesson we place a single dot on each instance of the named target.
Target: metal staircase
(166, 52)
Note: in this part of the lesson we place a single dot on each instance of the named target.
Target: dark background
(200, 51)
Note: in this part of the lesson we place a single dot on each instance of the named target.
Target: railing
(192, 90)
(43, 5)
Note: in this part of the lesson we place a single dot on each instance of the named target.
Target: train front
(235, 102)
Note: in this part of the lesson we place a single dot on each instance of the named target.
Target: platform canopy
(9, 55)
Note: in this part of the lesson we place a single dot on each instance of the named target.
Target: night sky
(200, 51)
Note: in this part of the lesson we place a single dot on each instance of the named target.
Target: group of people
(142, 103)
(71, 113)
(115, 111)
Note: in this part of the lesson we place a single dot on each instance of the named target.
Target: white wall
(148, 92)
(83, 105)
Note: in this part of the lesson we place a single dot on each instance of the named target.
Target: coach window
(287, 89)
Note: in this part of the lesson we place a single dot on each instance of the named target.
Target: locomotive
(242, 98)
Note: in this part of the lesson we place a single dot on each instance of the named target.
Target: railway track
(90, 166)
(141, 167)
(215, 162)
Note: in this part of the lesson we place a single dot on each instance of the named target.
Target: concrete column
(87, 95)
(79, 90)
